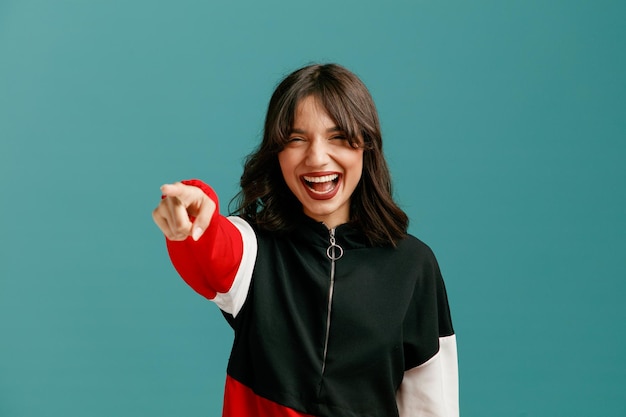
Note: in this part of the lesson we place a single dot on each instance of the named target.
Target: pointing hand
(180, 205)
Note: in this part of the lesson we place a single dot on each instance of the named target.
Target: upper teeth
(323, 178)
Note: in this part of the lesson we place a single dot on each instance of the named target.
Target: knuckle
(174, 235)
(156, 212)
(180, 236)
(180, 232)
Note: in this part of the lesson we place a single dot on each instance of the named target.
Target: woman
(336, 310)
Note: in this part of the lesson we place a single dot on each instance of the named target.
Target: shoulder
(411, 245)
(420, 258)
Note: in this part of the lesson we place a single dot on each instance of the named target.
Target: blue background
(505, 128)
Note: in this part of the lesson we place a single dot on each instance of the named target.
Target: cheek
(285, 160)
(357, 165)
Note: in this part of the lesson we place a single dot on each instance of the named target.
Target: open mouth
(321, 185)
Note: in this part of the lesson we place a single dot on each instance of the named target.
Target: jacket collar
(348, 235)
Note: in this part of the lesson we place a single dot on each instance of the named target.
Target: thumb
(203, 218)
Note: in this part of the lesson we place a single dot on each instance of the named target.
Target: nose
(317, 153)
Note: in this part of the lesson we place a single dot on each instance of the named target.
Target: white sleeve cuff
(432, 388)
(232, 301)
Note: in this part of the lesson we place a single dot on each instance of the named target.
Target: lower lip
(325, 196)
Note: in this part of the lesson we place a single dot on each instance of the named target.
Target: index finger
(187, 194)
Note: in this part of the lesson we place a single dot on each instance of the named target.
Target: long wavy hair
(265, 199)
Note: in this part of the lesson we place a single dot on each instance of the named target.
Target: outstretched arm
(215, 255)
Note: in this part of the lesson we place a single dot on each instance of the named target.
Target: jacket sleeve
(219, 265)
(431, 389)
(430, 384)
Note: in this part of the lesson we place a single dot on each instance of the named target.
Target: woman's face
(319, 165)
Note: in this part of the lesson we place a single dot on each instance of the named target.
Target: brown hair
(265, 199)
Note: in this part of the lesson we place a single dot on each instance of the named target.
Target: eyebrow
(329, 130)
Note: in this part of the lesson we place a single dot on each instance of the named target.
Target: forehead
(311, 112)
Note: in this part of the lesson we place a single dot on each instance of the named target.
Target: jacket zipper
(334, 252)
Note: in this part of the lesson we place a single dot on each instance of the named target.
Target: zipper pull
(334, 251)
